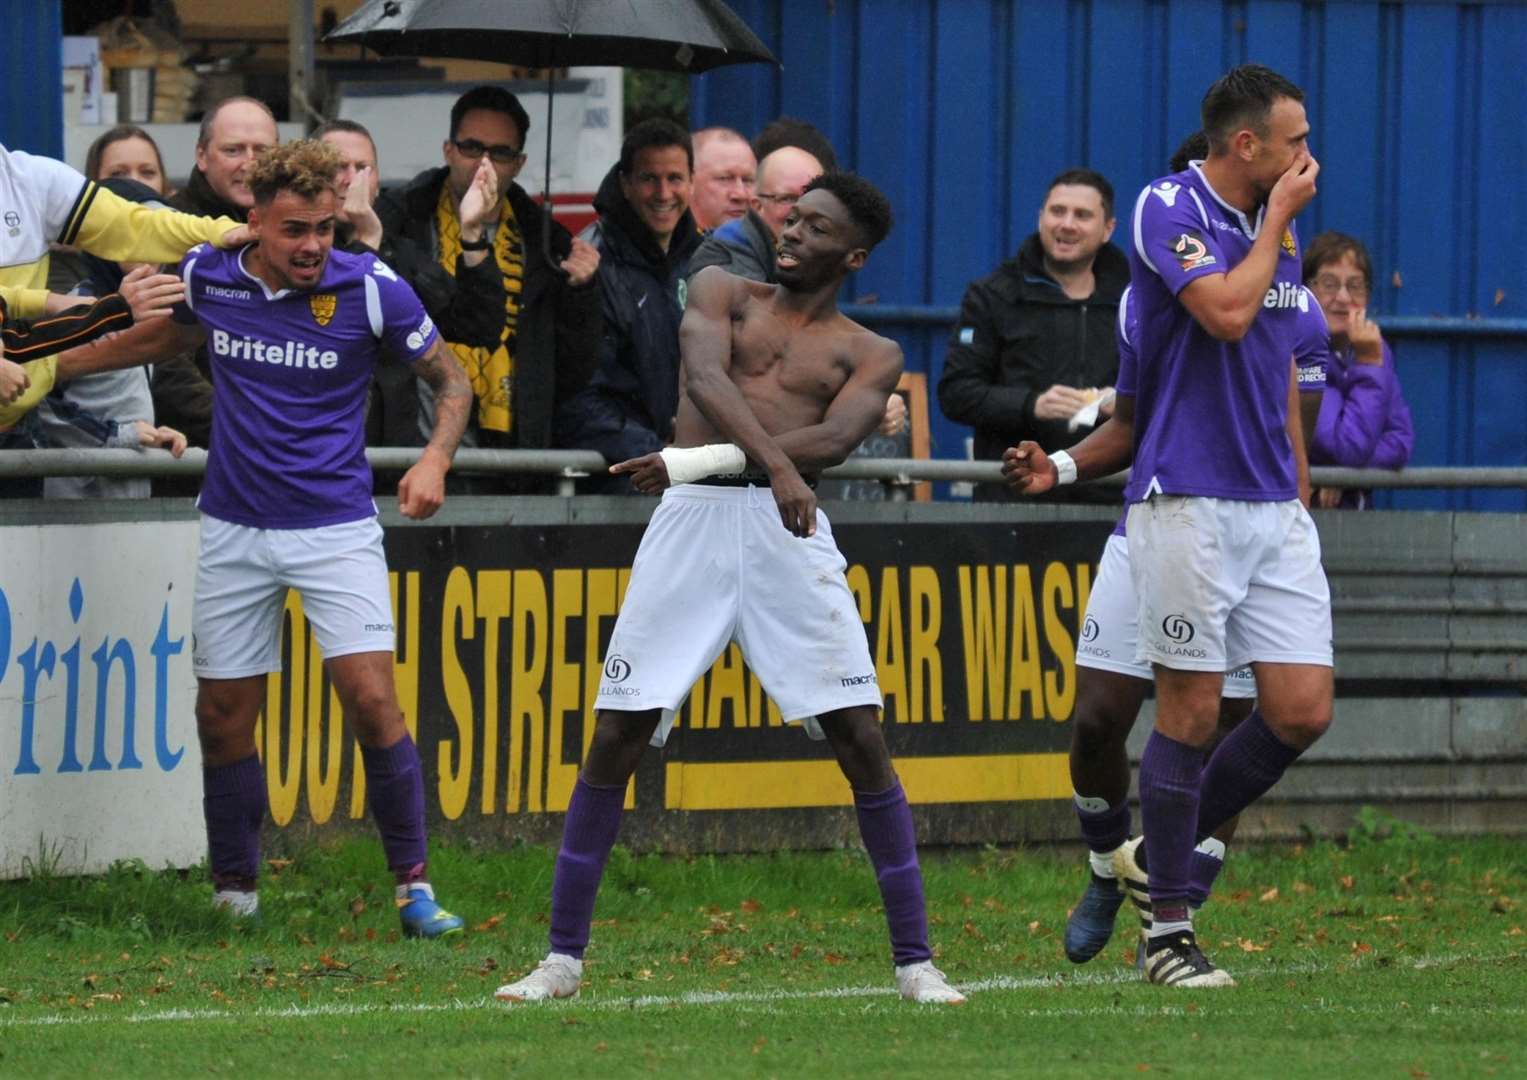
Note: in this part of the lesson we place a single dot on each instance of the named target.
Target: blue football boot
(421, 916)
(1091, 922)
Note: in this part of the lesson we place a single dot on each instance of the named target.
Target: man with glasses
(1364, 422)
(745, 246)
(467, 237)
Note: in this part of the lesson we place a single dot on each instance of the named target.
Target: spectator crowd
(573, 341)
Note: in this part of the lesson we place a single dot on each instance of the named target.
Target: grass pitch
(1393, 955)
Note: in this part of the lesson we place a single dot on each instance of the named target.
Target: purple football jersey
(1209, 414)
(1125, 332)
(1312, 347)
(292, 370)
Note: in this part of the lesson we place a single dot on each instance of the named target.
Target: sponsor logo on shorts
(609, 690)
(859, 680)
(1090, 629)
(12, 219)
(1243, 674)
(617, 669)
(1177, 629)
(379, 628)
(1093, 650)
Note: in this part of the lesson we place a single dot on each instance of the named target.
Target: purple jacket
(1364, 422)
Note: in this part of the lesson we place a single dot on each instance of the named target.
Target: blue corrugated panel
(962, 110)
(31, 77)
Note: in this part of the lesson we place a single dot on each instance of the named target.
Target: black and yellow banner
(501, 632)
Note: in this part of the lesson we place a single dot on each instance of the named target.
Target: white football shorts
(715, 566)
(242, 576)
(1110, 632)
(1225, 582)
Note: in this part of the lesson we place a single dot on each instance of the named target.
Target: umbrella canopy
(667, 35)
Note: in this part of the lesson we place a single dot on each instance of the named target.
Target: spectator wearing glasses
(726, 174)
(525, 323)
(745, 247)
(1364, 422)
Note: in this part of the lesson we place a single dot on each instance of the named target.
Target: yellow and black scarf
(490, 370)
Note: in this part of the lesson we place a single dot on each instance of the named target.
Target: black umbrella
(668, 35)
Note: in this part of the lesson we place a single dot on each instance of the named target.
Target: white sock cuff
(1213, 848)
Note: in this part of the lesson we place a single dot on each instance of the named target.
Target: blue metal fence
(962, 110)
(31, 77)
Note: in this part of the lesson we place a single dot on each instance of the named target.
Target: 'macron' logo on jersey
(1166, 191)
(1285, 294)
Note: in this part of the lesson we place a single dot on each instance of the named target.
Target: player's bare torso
(787, 368)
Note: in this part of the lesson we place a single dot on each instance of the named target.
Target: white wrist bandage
(687, 464)
(1065, 467)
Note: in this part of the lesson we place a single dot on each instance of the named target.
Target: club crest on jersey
(1190, 251)
(322, 306)
(1288, 244)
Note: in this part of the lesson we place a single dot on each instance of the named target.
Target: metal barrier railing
(568, 465)
(1400, 326)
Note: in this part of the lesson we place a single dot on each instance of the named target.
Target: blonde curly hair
(305, 167)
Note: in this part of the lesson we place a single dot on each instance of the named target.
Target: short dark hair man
(645, 236)
(524, 323)
(1225, 560)
(1033, 351)
(735, 546)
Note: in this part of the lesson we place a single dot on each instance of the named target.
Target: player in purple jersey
(1225, 560)
(1111, 682)
(294, 330)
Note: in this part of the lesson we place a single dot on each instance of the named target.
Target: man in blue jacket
(645, 236)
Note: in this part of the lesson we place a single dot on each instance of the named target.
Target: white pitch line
(1058, 980)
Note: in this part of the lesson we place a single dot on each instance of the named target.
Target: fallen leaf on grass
(357, 907)
(1303, 888)
(489, 923)
(1503, 905)
(1346, 882)
(751, 907)
(601, 1047)
(1250, 946)
(1361, 948)
(1269, 896)
(277, 865)
(834, 958)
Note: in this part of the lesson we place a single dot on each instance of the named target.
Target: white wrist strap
(687, 464)
(1065, 467)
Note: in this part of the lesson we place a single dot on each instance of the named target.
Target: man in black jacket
(1033, 350)
(524, 322)
(645, 235)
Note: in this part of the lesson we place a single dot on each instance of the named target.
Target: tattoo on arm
(445, 376)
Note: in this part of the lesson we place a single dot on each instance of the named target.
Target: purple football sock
(1203, 868)
(885, 825)
(1104, 830)
(1243, 768)
(395, 790)
(588, 834)
(1169, 777)
(233, 802)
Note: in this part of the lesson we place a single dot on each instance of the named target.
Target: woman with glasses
(1364, 422)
